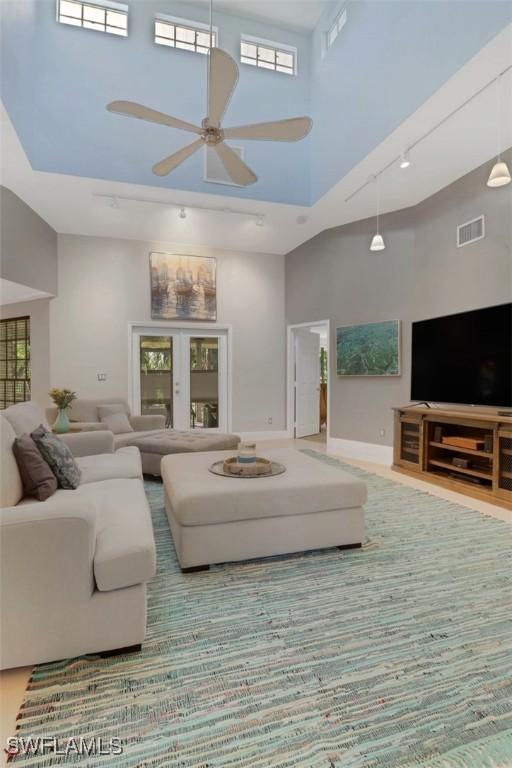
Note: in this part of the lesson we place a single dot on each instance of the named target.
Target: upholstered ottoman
(152, 447)
(217, 519)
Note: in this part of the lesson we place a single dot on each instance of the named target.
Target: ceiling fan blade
(292, 129)
(238, 171)
(223, 77)
(132, 109)
(168, 164)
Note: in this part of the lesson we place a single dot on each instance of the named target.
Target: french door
(182, 374)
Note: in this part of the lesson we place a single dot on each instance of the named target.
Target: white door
(182, 374)
(307, 383)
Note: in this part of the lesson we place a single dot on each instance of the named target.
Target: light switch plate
(102, 376)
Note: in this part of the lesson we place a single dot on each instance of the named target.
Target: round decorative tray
(260, 468)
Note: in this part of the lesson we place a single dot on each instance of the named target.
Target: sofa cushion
(11, 488)
(59, 457)
(87, 410)
(25, 417)
(117, 423)
(125, 463)
(125, 547)
(36, 475)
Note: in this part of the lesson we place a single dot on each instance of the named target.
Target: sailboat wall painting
(183, 287)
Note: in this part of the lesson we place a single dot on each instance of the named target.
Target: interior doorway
(308, 380)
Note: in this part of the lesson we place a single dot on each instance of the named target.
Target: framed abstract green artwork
(372, 349)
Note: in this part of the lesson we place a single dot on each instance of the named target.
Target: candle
(247, 453)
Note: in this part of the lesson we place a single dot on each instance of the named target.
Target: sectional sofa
(148, 433)
(74, 567)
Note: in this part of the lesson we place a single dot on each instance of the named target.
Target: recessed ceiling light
(182, 214)
(404, 160)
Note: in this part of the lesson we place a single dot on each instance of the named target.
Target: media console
(468, 450)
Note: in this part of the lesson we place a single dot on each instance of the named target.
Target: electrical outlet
(269, 420)
(102, 376)
(382, 432)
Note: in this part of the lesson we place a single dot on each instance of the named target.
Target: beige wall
(28, 253)
(104, 284)
(421, 274)
(39, 313)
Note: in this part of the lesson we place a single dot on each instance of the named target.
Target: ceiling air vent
(470, 231)
(214, 171)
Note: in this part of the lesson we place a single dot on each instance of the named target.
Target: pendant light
(378, 243)
(500, 174)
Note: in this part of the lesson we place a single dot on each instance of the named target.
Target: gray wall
(104, 284)
(28, 245)
(421, 274)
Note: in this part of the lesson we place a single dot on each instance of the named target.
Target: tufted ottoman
(219, 519)
(169, 441)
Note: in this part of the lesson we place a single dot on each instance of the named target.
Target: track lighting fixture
(404, 160)
(500, 174)
(378, 243)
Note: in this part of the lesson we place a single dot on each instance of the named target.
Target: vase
(62, 421)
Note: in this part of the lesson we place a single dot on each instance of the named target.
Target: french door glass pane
(156, 376)
(204, 382)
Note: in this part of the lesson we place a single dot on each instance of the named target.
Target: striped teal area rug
(397, 655)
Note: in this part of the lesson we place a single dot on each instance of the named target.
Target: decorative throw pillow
(59, 457)
(114, 418)
(36, 475)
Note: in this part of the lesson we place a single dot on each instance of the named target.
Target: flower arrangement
(62, 398)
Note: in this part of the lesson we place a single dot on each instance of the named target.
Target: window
(14, 361)
(187, 35)
(336, 27)
(267, 55)
(105, 17)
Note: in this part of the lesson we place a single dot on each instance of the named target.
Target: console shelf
(483, 471)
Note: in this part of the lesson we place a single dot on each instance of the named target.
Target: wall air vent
(471, 231)
(214, 171)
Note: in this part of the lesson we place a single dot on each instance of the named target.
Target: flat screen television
(464, 358)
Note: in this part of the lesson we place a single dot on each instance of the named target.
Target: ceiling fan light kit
(222, 80)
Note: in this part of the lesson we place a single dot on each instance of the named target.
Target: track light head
(500, 175)
(378, 243)
(404, 160)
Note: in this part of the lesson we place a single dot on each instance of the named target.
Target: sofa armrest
(89, 443)
(142, 423)
(46, 554)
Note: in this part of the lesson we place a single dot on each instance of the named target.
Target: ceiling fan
(222, 80)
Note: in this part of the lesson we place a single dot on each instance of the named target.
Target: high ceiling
(397, 69)
(295, 14)
(389, 59)
(452, 147)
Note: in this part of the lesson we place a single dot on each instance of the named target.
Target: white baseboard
(353, 449)
(281, 434)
